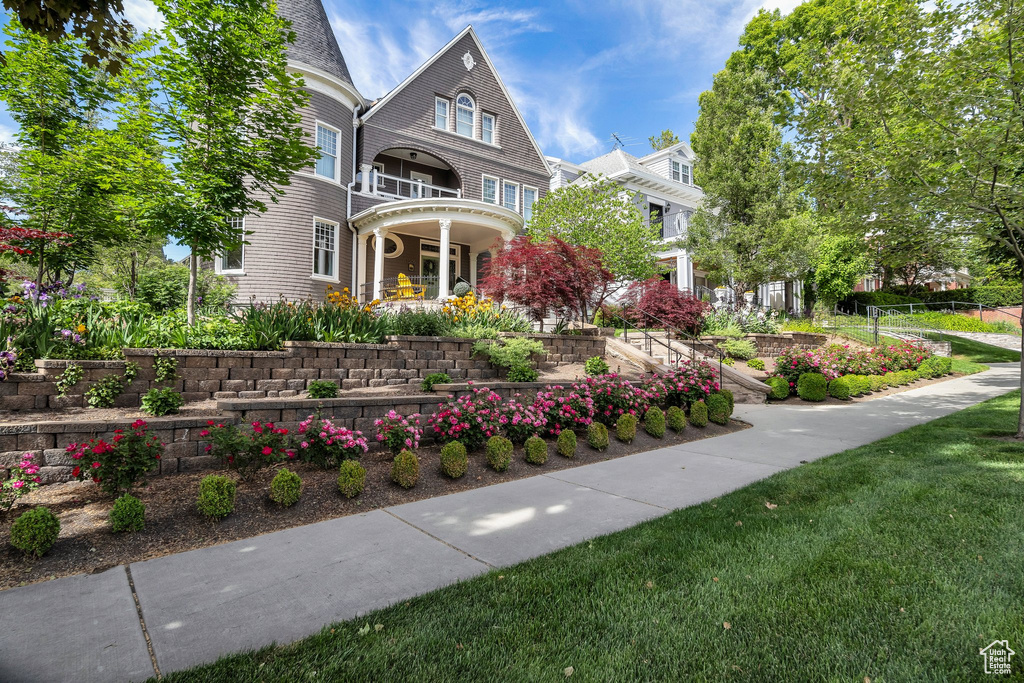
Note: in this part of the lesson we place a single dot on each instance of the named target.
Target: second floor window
(529, 199)
(680, 172)
(510, 195)
(441, 113)
(490, 190)
(487, 128)
(327, 144)
(465, 115)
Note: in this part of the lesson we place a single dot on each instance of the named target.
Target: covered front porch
(400, 246)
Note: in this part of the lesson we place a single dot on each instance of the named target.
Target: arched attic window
(465, 115)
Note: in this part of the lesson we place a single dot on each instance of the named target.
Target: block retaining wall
(772, 345)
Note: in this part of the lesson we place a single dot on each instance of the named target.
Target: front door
(430, 268)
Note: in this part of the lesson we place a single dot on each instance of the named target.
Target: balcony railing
(394, 187)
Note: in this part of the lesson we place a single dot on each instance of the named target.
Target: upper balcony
(402, 173)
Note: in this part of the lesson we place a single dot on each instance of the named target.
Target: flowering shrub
(471, 419)
(326, 445)
(120, 465)
(837, 360)
(520, 420)
(24, 478)
(8, 360)
(398, 433)
(247, 452)
(565, 410)
(658, 302)
(687, 383)
(614, 396)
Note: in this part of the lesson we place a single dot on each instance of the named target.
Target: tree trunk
(133, 276)
(39, 273)
(193, 272)
(1020, 410)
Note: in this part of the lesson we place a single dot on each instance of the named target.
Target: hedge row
(995, 296)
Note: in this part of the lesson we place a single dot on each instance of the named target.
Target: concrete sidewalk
(282, 586)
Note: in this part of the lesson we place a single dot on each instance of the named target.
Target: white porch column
(681, 272)
(361, 267)
(364, 182)
(446, 248)
(378, 260)
(472, 268)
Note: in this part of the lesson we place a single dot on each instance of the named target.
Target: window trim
(504, 185)
(378, 171)
(219, 268)
(399, 245)
(536, 196)
(472, 110)
(483, 129)
(672, 164)
(337, 232)
(457, 256)
(337, 152)
(497, 189)
(447, 112)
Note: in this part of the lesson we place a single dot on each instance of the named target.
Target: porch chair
(407, 290)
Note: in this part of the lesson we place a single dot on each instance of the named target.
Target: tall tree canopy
(100, 24)
(666, 139)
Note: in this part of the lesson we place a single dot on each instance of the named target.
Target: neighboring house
(662, 183)
(933, 281)
(442, 164)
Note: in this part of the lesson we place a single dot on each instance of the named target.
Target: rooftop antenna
(618, 141)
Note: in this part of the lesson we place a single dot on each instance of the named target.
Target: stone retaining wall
(216, 374)
(772, 345)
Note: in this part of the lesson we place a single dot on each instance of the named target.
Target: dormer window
(465, 115)
(680, 172)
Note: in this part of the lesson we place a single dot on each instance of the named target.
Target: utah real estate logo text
(997, 657)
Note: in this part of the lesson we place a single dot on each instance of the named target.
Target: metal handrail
(946, 305)
(893, 323)
(674, 354)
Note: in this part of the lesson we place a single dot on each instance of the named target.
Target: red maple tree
(657, 302)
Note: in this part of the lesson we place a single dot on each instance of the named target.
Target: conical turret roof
(315, 44)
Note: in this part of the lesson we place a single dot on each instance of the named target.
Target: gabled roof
(672, 149)
(315, 44)
(612, 163)
(490, 65)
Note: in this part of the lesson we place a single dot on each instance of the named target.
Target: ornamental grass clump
(405, 470)
(216, 496)
(654, 421)
(566, 444)
(499, 453)
(718, 409)
(839, 388)
(597, 436)
(120, 465)
(35, 531)
(536, 450)
(699, 414)
(454, 461)
(351, 478)
(128, 514)
(285, 488)
(812, 386)
(398, 433)
(326, 445)
(675, 419)
(247, 451)
(625, 428)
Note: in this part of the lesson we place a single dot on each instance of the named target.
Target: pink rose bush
(247, 451)
(326, 445)
(120, 465)
(837, 360)
(23, 479)
(471, 419)
(614, 396)
(398, 433)
(565, 409)
(687, 383)
(520, 420)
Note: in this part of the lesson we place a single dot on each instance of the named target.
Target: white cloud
(143, 14)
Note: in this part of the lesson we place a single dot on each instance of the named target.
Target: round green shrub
(128, 514)
(434, 378)
(405, 470)
(811, 386)
(35, 531)
(718, 409)
(625, 428)
(891, 379)
(536, 450)
(675, 418)
(454, 461)
(566, 444)
(839, 388)
(499, 453)
(597, 436)
(163, 401)
(699, 414)
(877, 382)
(730, 398)
(351, 478)
(755, 364)
(654, 422)
(945, 364)
(780, 388)
(863, 384)
(216, 496)
(595, 365)
(461, 288)
(285, 488)
(522, 373)
(322, 388)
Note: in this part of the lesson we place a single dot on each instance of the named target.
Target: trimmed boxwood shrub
(216, 496)
(536, 450)
(285, 488)
(780, 388)
(654, 422)
(718, 409)
(454, 461)
(699, 414)
(405, 470)
(499, 453)
(625, 427)
(811, 386)
(878, 383)
(351, 478)
(35, 531)
(597, 436)
(730, 398)
(128, 514)
(863, 384)
(566, 444)
(839, 388)
(675, 418)
(891, 379)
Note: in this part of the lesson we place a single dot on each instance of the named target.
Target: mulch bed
(86, 543)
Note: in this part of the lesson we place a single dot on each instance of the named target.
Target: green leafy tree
(99, 23)
(233, 114)
(599, 214)
(840, 262)
(754, 226)
(666, 139)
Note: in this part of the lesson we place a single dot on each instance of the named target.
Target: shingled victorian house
(442, 165)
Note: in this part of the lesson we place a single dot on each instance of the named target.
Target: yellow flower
(80, 329)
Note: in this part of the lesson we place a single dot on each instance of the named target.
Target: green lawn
(976, 352)
(896, 561)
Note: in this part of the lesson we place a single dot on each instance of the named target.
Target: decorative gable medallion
(468, 60)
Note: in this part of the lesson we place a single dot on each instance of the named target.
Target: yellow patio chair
(407, 290)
